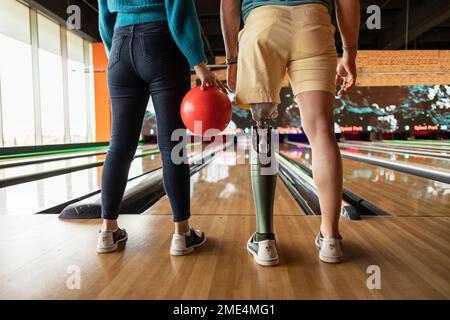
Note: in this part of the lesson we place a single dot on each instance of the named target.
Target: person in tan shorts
(297, 37)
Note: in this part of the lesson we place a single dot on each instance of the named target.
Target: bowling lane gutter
(440, 155)
(304, 191)
(416, 170)
(300, 184)
(61, 206)
(141, 192)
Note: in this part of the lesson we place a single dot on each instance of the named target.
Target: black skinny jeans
(144, 60)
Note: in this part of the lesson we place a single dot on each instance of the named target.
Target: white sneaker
(330, 248)
(264, 252)
(185, 244)
(109, 241)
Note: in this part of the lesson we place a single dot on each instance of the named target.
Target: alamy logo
(261, 151)
(374, 21)
(73, 21)
(374, 280)
(73, 282)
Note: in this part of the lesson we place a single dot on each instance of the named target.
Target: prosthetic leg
(262, 243)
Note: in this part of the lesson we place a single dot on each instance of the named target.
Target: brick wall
(402, 68)
(392, 68)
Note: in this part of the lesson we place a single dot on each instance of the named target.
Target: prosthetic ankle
(263, 180)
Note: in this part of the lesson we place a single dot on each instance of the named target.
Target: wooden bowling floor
(40, 254)
(37, 253)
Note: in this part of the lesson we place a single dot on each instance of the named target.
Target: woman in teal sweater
(151, 46)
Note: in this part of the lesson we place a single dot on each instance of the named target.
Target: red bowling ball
(202, 110)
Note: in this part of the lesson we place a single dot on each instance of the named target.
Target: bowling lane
(49, 192)
(398, 193)
(413, 159)
(224, 188)
(23, 159)
(48, 166)
(410, 145)
(52, 165)
(431, 143)
(51, 153)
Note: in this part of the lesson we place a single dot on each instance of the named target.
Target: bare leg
(181, 227)
(316, 110)
(109, 225)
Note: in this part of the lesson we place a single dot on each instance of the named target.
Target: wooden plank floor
(36, 251)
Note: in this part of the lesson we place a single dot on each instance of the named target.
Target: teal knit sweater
(180, 15)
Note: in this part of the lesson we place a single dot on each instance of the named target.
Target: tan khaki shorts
(297, 39)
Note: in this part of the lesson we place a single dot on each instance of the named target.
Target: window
(76, 88)
(16, 82)
(63, 109)
(51, 84)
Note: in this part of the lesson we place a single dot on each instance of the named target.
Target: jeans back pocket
(116, 47)
(158, 45)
